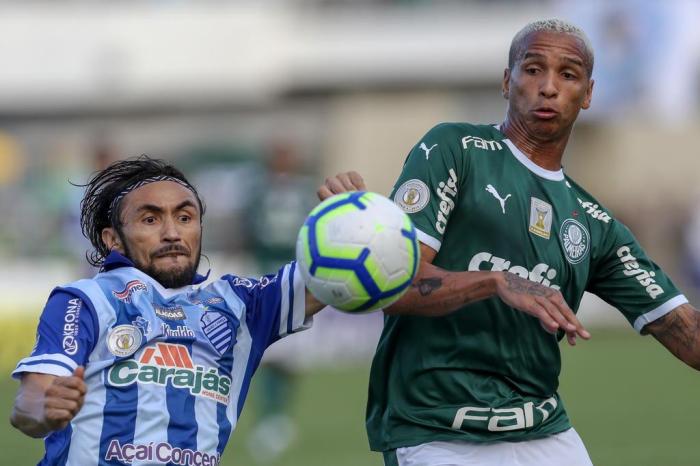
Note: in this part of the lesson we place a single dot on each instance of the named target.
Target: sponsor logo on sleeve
(71, 327)
(447, 192)
(124, 340)
(540, 218)
(645, 278)
(412, 196)
(129, 290)
(594, 211)
(171, 364)
(575, 239)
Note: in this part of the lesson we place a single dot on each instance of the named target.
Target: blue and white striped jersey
(167, 370)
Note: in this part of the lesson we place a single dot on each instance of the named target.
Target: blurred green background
(631, 402)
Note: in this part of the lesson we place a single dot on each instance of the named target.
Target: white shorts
(563, 449)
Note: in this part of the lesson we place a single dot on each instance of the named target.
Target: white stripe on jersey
(299, 320)
(47, 359)
(284, 302)
(659, 312)
(87, 425)
(44, 368)
(428, 240)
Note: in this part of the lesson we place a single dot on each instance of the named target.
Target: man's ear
(111, 239)
(505, 84)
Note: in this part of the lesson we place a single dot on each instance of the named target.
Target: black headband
(118, 198)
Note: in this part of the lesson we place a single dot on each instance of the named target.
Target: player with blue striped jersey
(145, 364)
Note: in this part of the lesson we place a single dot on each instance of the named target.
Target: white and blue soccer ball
(357, 251)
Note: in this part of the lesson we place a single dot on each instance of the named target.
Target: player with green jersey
(466, 370)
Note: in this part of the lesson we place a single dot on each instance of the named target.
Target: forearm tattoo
(426, 286)
(517, 284)
(679, 330)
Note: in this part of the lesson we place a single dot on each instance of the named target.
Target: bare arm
(313, 305)
(45, 403)
(437, 292)
(679, 332)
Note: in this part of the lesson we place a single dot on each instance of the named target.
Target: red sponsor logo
(132, 287)
(167, 355)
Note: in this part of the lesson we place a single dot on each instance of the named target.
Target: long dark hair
(98, 209)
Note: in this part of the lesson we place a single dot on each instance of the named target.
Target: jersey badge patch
(540, 218)
(124, 340)
(575, 239)
(412, 196)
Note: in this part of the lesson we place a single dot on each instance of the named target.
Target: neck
(545, 151)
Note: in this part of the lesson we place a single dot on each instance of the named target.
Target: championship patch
(124, 340)
(575, 239)
(218, 330)
(412, 196)
(540, 218)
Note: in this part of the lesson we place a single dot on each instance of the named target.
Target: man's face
(548, 84)
(160, 232)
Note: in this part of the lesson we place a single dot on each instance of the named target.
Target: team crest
(540, 218)
(218, 330)
(412, 196)
(124, 340)
(575, 239)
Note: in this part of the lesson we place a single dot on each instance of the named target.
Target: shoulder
(460, 130)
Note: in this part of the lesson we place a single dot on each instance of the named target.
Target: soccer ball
(357, 251)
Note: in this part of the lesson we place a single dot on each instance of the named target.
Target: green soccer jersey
(488, 372)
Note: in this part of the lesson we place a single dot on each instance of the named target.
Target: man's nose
(170, 230)
(548, 86)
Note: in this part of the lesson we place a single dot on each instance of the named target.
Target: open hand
(341, 183)
(540, 301)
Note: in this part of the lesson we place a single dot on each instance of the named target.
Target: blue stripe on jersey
(57, 446)
(121, 403)
(119, 422)
(226, 366)
(182, 427)
(290, 312)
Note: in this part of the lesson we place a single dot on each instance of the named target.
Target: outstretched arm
(679, 332)
(437, 292)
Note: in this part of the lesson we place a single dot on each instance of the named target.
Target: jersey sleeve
(625, 277)
(65, 336)
(429, 185)
(275, 304)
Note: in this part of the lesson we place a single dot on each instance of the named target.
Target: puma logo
(425, 148)
(500, 199)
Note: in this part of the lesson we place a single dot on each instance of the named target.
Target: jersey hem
(414, 441)
(649, 317)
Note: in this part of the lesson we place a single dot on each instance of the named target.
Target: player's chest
(199, 323)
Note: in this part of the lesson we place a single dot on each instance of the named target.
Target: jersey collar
(115, 260)
(554, 175)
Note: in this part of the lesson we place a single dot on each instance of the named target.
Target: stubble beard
(174, 277)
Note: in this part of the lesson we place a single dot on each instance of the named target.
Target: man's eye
(149, 220)
(185, 218)
(531, 70)
(568, 75)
